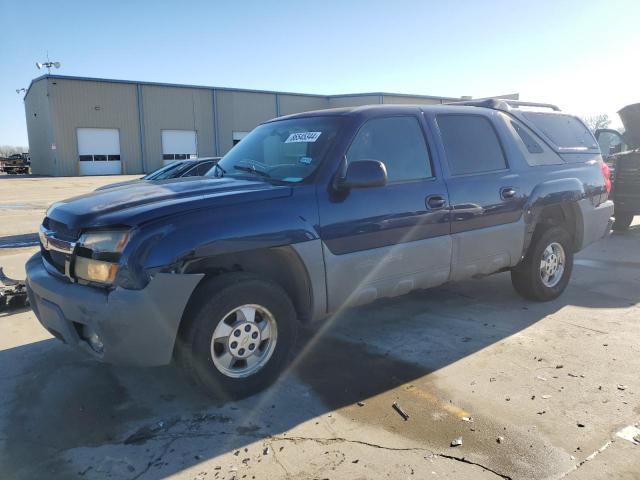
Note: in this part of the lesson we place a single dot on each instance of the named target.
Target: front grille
(60, 230)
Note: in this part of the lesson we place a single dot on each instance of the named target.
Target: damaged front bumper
(122, 327)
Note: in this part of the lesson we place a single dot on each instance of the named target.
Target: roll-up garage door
(99, 151)
(179, 145)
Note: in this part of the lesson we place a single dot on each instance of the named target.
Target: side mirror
(362, 174)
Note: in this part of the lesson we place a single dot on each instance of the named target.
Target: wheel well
(565, 215)
(279, 264)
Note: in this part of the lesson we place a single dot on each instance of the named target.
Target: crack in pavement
(323, 441)
(153, 462)
(328, 441)
(589, 458)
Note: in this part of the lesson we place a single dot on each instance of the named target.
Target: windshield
(167, 171)
(285, 150)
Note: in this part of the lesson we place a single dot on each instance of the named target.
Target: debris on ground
(559, 366)
(546, 396)
(13, 293)
(622, 387)
(541, 378)
(265, 451)
(456, 442)
(500, 439)
(360, 404)
(147, 432)
(467, 419)
(402, 413)
(580, 424)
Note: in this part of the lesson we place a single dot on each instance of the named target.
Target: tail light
(606, 173)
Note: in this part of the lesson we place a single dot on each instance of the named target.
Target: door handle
(507, 192)
(435, 202)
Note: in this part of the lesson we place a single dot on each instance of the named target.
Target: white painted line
(630, 434)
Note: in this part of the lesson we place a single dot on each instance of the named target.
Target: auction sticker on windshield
(306, 137)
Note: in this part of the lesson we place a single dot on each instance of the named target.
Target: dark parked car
(621, 151)
(182, 168)
(312, 213)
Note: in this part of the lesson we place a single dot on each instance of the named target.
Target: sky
(581, 55)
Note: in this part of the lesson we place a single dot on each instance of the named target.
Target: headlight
(98, 254)
(105, 241)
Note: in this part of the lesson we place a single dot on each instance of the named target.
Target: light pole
(48, 65)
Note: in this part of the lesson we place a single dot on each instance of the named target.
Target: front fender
(167, 244)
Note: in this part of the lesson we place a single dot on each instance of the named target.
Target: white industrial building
(94, 126)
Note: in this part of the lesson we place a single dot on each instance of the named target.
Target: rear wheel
(240, 335)
(544, 273)
(622, 221)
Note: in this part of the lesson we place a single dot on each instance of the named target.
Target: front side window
(398, 142)
(471, 144)
(204, 167)
(284, 150)
(164, 172)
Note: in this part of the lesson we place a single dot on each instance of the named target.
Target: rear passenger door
(485, 195)
(388, 240)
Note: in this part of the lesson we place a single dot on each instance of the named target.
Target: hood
(630, 116)
(118, 184)
(144, 200)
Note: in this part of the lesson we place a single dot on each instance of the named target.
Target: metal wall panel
(77, 104)
(241, 112)
(39, 129)
(353, 101)
(301, 103)
(174, 108)
(407, 100)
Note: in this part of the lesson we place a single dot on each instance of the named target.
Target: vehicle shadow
(19, 241)
(66, 414)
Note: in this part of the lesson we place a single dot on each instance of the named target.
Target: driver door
(610, 142)
(389, 240)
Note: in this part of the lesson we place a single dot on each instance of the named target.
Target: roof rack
(504, 104)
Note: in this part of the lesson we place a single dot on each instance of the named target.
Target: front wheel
(622, 221)
(240, 333)
(545, 271)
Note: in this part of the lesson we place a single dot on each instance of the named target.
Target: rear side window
(397, 142)
(565, 131)
(529, 142)
(471, 144)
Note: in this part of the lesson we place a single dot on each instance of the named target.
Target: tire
(528, 278)
(622, 221)
(212, 305)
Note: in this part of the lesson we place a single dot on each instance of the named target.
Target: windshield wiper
(252, 169)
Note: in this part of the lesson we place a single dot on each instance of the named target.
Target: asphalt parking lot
(535, 391)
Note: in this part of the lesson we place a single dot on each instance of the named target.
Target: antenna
(48, 65)
(18, 90)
